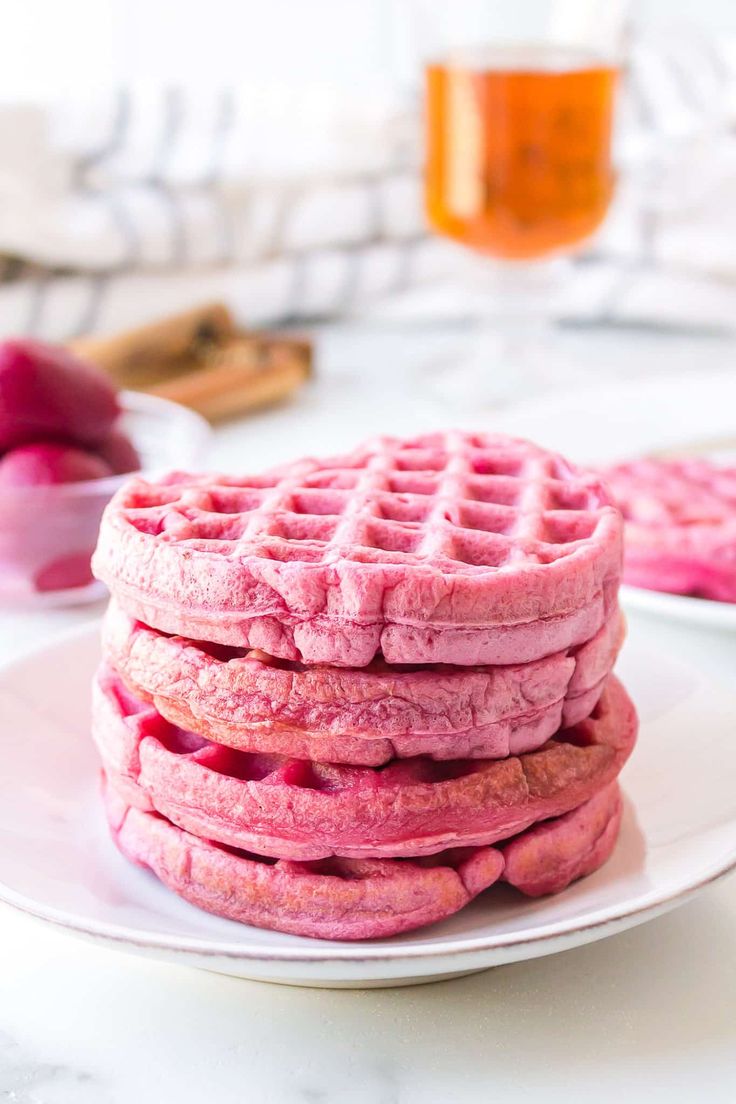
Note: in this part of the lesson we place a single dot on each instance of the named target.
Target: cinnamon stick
(201, 359)
(142, 356)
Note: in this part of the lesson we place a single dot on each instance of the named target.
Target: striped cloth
(308, 205)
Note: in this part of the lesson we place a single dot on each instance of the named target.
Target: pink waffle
(364, 716)
(449, 548)
(680, 520)
(550, 856)
(360, 898)
(295, 809)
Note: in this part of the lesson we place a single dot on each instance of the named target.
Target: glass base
(494, 367)
(511, 353)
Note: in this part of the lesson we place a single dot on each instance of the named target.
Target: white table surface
(646, 1015)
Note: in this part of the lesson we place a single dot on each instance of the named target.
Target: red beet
(47, 392)
(118, 451)
(69, 571)
(44, 463)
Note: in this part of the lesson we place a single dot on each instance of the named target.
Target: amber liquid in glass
(519, 148)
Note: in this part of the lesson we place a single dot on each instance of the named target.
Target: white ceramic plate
(57, 863)
(692, 611)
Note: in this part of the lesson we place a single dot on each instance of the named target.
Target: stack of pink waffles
(344, 697)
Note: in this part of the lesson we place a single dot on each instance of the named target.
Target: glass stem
(517, 312)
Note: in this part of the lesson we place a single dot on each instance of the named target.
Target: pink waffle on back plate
(451, 547)
(680, 518)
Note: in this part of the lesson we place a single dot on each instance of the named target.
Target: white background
(49, 46)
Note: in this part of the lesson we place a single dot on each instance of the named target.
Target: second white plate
(691, 611)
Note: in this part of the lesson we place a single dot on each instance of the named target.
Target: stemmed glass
(518, 129)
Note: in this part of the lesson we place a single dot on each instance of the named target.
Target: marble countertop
(648, 1014)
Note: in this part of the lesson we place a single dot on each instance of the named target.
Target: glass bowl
(48, 533)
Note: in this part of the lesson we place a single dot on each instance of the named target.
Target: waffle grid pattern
(675, 493)
(453, 502)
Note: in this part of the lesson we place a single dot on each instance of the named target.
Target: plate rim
(347, 954)
(355, 953)
(680, 607)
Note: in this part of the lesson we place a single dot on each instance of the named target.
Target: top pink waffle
(451, 547)
(680, 525)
